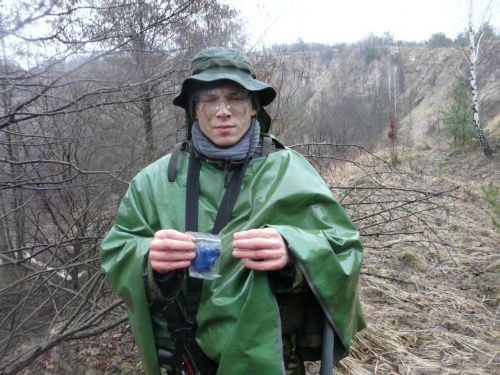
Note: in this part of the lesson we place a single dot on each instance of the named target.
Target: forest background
(392, 126)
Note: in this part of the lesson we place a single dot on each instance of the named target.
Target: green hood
(238, 319)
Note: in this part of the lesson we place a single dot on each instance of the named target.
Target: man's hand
(171, 250)
(261, 249)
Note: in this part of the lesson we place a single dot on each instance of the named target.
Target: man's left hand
(261, 249)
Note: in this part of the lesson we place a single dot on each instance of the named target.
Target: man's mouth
(223, 128)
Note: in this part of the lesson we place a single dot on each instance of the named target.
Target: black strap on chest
(193, 194)
(266, 146)
(191, 221)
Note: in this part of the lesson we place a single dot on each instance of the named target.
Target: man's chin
(224, 144)
(225, 141)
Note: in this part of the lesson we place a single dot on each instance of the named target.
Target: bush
(458, 121)
(492, 195)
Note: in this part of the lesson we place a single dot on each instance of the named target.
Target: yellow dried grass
(431, 300)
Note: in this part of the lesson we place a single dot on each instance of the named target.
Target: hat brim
(243, 78)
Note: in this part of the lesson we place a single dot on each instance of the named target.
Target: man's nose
(226, 108)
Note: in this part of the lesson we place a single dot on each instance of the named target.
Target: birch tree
(475, 31)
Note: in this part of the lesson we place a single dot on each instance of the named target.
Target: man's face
(224, 113)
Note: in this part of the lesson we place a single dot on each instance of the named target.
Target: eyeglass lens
(211, 100)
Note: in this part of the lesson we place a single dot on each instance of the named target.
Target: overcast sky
(337, 21)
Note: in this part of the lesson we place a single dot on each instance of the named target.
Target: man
(290, 256)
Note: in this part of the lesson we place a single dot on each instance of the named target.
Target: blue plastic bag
(205, 259)
(208, 252)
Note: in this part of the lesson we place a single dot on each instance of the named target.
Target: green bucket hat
(220, 63)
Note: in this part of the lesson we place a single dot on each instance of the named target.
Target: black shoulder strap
(226, 207)
(229, 199)
(193, 286)
(267, 145)
(172, 164)
(267, 142)
(191, 221)
(192, 193)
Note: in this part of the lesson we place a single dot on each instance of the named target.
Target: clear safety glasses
(235, 100)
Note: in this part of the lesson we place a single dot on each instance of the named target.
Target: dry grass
(431, 296)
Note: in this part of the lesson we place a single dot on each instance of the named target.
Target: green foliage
(442, 168)
(492, 195)
(487, 32)
(301, 46)
(458, 121)
(438, 40)
(388, 38)
(394, 159)
(374, 47)
(372, 53)
(462, 39)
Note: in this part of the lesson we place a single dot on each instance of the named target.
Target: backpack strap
(172, 164)
(229, 199)
(194, 285)
(267, 142)
(267, 146)
(192, 193)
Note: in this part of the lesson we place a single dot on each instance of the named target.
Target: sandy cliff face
(431, 74)
(414, 83)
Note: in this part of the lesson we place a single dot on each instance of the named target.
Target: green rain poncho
(238, 318)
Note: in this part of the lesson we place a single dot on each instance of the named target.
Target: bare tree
(353, 101)
(286, 71)
(85, 93)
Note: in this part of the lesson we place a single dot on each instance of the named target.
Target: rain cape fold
(238, 319)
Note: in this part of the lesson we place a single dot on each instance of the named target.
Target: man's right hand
(171, 250)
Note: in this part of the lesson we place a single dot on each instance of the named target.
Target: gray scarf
(239, 151)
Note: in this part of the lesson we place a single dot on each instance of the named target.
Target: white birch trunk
(472, 59)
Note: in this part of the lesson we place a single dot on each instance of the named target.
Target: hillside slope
(415, 83)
